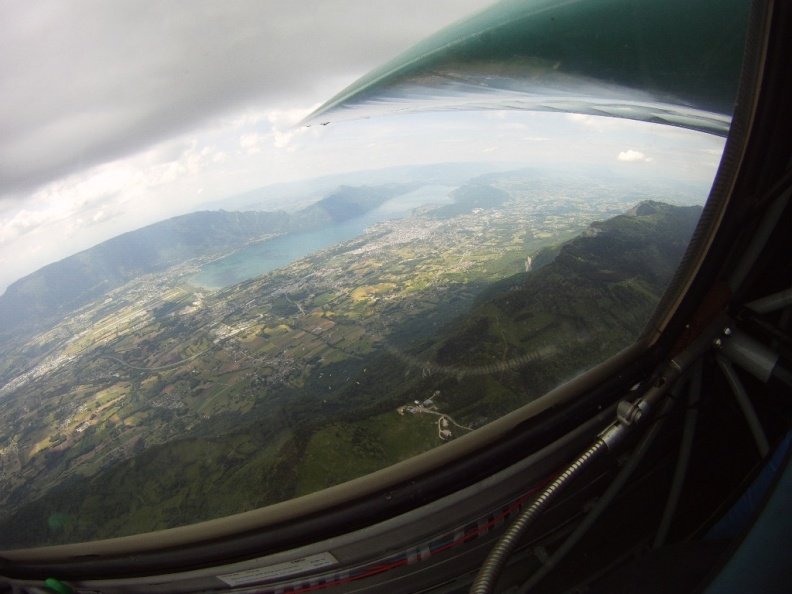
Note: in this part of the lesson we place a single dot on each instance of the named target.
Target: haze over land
(157, 403)
(58, 289)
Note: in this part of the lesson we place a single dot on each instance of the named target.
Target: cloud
(84, 84)
(597, 123)
(632, 156)
(114, 115)
(251, 143)
(20, 223)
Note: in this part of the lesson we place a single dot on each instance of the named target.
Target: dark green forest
(583, 302)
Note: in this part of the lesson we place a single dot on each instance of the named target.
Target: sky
(117, 114)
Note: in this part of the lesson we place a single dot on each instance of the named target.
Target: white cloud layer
(87, 82)
(632, 156)
(114, 115)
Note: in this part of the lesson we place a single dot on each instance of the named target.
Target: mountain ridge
(528, 333)
(591, 300)
(60, 288)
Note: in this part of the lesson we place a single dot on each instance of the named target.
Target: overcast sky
(116, 114)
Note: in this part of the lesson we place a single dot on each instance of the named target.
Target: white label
(280, 570)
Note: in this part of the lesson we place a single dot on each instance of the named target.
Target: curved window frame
(473, 458)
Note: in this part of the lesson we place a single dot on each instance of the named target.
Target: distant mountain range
(56, 290)
(471, 196)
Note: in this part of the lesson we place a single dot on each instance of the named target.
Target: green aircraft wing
(673, 62)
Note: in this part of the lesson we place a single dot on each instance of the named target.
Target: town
(162, 359)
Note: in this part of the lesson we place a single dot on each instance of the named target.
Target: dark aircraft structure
(665, 468)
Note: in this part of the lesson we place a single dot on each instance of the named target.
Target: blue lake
(270, 255)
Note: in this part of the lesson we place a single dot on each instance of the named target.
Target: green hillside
(352, 409)
(56, 290)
